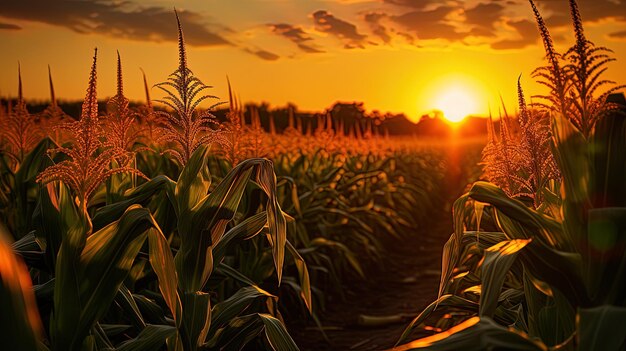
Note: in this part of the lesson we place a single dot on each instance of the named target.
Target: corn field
(161, 227)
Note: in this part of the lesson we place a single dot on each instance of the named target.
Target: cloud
(328, 23)
(618, 35)
(528, 35)
(591, 11)
(483, 17)
(116, 19)
(373, 19)
(263, 54)
(297, 35)
(9, 26)
(430, 24)
(416, 4)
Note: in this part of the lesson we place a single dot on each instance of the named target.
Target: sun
(456, 103)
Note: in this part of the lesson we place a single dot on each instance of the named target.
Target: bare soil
(404, 286)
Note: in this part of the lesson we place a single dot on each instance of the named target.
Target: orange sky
(394, 55)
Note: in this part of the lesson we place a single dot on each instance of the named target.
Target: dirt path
(405, 286)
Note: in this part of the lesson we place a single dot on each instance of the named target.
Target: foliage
(548, 274)
(87, 167)
(216, 258)
(187, 129)
(18, 129)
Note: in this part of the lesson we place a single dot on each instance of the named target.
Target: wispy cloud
(527, 35)
(9, 26)
(263, 54)
(297, 35)
(618, 35)
(483, 17)
(430, 24)
(592, 11)
(117, 19)
(328, 23)
(374, 19)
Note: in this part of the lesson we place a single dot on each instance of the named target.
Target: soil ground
(404, 286)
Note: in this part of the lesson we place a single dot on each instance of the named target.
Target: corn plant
(187, 128)
(547, 276)
(19, 128)
(87, 167)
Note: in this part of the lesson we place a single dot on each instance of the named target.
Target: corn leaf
(447, 300)
(606, 255)
(162, 263)
(475, 334)
(596, 328)
(497, 262)
(140, 195)
(196, 319)
(97, 273)
(303, 276)
(152, 337)
(232, 307)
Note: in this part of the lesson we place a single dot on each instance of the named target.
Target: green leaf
(152, 337)
(276, 334)
(140, 195)
(193, 183)
(476, 334)
(162, 263)
(23, 195)
(245, 230)
(125, 300)
(241, 330)
(55, 214)
(597, 328)
(95, 276)
(571, 152)
(443, 301)
(607, 156)
(561, 270)
(345, 251)
(232, 273)
(196, 319)
(452, 248)
(545, 228)
(232, 307)
(605, 255)
(207, 223)
(303, 276)
(497, 262)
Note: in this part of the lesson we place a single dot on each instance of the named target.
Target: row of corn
(538, 255)
(129, 231)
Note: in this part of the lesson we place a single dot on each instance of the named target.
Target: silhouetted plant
(87, 167)
(120, 120)
(233, 141)
(53, 115)
(586, 65)
(255, 135)
(149, 119)
(552, 76)
(501, 157)
(574, 82)
(19, 128)
(185, 128)
(536, 159)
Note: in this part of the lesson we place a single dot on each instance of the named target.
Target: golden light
(456, 103)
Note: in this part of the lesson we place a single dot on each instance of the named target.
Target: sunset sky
(394, 55)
